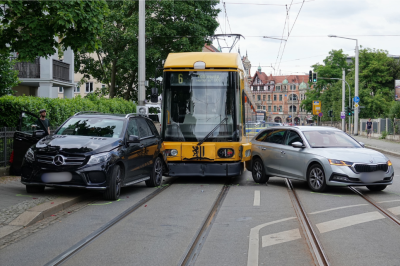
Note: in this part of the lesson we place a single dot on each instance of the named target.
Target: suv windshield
(330, 139)
(93, 127)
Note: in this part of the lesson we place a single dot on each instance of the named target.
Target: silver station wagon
(322, 156)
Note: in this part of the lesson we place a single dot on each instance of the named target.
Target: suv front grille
(46, 159)
(361, 168)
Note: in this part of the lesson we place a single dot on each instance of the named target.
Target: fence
(7, 142)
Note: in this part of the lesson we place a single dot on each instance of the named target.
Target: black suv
(93, 151)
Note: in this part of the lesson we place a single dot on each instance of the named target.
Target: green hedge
(58, 110)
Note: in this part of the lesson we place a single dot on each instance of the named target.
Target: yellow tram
(205, 110)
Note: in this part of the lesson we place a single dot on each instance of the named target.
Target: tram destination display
(199, 79)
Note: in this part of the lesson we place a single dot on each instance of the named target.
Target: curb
(38, 213)
(382, 150)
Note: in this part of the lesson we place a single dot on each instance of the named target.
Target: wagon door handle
(283, 152)
(263, 149)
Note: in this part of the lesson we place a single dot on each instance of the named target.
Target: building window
(89, 87)
(254, 97)
(77, 89)
(278, 88)
(265, 88)
(258, 97)
(269, 97)
(280, 108)
(269, 108)
(60, 90)
(293, 96)
(274, 108)
(269, 88)
(103, 86)
(258, 107)
(280, 97)
(263, 97)
(274, 97)
(263, 107)
(292, 108)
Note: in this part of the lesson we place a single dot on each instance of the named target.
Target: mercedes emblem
(58, 160)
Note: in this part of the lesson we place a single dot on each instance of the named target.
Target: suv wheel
(156, 174)
(316, 178)
(114, 187)
(34, 189)
(258, 172)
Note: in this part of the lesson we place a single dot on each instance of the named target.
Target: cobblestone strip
(10, 213)
(56, 218)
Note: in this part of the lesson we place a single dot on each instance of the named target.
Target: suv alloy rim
(118, 183)
(316, 178)
(257, 169)
(158, 170)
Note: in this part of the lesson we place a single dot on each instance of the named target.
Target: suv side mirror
(39, 133)
(297, 144)
(133, 139)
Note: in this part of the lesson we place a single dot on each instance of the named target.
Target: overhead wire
(289, 33)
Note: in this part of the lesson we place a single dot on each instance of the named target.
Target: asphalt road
(256, 225)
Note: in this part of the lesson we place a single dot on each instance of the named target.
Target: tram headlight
(226, 153)
(171, 152)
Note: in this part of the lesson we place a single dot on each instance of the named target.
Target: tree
(171, 26)
(29, 27)
(8, 76)
(377, 72)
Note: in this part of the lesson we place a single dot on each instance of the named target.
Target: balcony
(31, 70)
(61, 71)
(28, 69)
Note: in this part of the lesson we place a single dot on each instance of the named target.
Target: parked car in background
(94, 151)
(321, 156)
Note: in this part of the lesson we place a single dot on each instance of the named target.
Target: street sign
(356, 105)
(316, 107)
(356, 99)
(320, 114)
(342, 115)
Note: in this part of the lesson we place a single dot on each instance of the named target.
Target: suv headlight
(99, 158)
(30, 155)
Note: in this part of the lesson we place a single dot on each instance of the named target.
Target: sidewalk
(382, 145)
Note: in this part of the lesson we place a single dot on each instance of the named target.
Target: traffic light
(349, 111)
(330, 113)
(310, 76)
(314, 77)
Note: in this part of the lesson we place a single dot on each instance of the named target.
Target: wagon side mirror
(297, 144)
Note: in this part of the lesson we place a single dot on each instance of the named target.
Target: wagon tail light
(226, 153)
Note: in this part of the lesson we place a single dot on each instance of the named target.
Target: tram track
(198, 242)
(373, 203)
(66, 255)
(316, 249)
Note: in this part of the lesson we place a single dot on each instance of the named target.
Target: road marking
(348, 221)
(338, 208)
(257, 198)
(325, 194)
(254, 241)
(281, 237)
(388, 201)
(395, 210)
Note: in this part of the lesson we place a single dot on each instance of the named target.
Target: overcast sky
(308, 42)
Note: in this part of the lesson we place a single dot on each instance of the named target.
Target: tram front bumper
(205, 169)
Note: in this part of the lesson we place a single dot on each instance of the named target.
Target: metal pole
(349, 115)
(343, 97)
(356, 94)
(5, 147)
(142, 54)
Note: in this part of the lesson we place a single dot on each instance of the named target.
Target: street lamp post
(356, 82)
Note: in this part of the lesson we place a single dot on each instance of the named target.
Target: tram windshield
(196, 102)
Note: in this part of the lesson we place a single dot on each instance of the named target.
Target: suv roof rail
(85, 112)
(133, 114)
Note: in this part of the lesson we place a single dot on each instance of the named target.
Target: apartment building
(281, 97)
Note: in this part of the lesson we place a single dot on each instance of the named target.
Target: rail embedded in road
(315, 246)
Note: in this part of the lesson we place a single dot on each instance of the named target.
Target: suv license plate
(56, 177)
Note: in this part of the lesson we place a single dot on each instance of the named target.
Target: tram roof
(212, 60)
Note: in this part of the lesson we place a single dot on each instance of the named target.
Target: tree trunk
(113, 73)
(130, 87)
